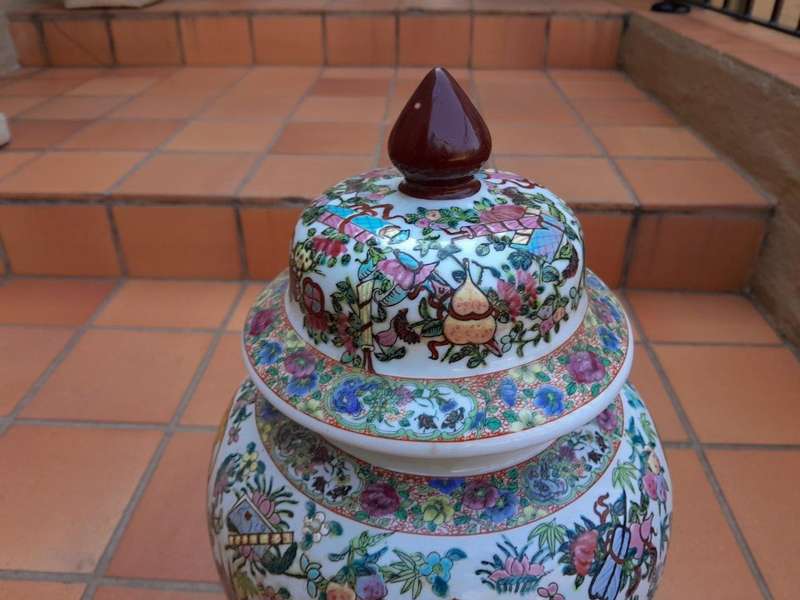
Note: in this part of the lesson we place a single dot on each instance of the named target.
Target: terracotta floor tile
(517, 109)
(188, 175)
(646, 379)
(527, 138)
(71, 491)
(704, 560)
(681, 183)
(584, 182)
(74, 107)
(341, 109)
(222, 377)
(250, 106)
(41, 134)
(39, 87)
(287, 39)
(360, 40)
(30, 301)
(509, 76)
(226, 136)
(75, 73)
(198, 81)
(118, 593)
(127, 376)
(606, 237)
(36, 590)
(61, 240)
(11, 161)
(328, 138)
(113, 86)
(765, 506)
(386, 73)
(284, 176)
(156, 107)
(676, 317)
(586, 75)
(24, 355)
(614, 89)
(186, 242)
(623, 112)
(72, 174)
(276, 81)
(215, 40)
(167, 537)
(350, 86)
(143, 303)
(652, 142)
(11, 106)
(268, 255)
(236, 322)
(77, 42)
(438, 39)
(736, 393)
(120, 134)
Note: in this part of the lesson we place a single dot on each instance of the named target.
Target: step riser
(495, 41)
(710, 252)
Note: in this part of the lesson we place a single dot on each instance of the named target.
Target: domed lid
(440, 303)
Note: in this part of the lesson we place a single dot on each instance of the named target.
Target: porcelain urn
(437, 403)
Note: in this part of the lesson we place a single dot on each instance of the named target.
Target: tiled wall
(505, 41)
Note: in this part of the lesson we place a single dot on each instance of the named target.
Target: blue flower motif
(346, 395)
(611, 308)
(550, 399)
(508, 391)
(436, 567)
(446, 486)
(302, 386)
(448, 405)
(479, 420)
(505, 507)
(594, 282)
(609, 339)
(270, 353)
(268, 412)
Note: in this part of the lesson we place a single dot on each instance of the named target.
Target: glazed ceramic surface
(292, 516)
(437, 403)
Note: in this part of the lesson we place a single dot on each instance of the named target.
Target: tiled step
(199, 172)
(458, 33)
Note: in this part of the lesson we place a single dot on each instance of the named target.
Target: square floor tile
(30, 301)
(39, 87)
(11, 106)
(648, 382)
(167, 537)
(11, 161)
(236, 322)
(680, 317)
(290, 176)
(71, 484)
(75, 107)
(250, 106)
(113, 86)
(118, 134)
(137, 593)
(226, 136)
(516, 109)
(198, 81)
(765, 505)
(736, 393)
(350, 86)
(287, 39)
(187, 176)
(662, 184)
(537, 139)
(328, 138)
(360, 40)
(156, 107)
(222, 378)
(605, 111)
(337, 109)
(676, 142)
(127, 376)
(142, 303)
(70, 174)
(617, 89)
(36, 590)
(215, 40)
(24, 356)
(41, 134)
(269, 82)
(581, 182)
(704, 560)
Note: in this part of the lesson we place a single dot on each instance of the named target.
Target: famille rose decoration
(437, 404)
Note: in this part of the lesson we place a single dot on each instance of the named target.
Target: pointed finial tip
(439, 140)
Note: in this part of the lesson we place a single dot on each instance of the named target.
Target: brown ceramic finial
(439, 140)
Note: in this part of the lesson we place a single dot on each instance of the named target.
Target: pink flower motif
(266, 507)
(655, 486)
(301, 363)
(514, 567)
(528, 282)
(640, 535)
(585, 367)
(502, 212)
(546, 326)
(607, 420)
(550, 592)
(582, 550)
(508, 294)
(404, 276)
(327, 246)
(479, 495)
(261, 320)
(379, 499)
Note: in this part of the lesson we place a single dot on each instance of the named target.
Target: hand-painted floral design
(377, 277)
(460, 409)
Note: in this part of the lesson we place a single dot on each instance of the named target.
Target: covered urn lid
(439, 309)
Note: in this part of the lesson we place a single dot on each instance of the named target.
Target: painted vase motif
(437, 403)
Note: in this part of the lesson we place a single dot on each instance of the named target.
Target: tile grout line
(700, 451)
(116, 537)
(70, 344)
